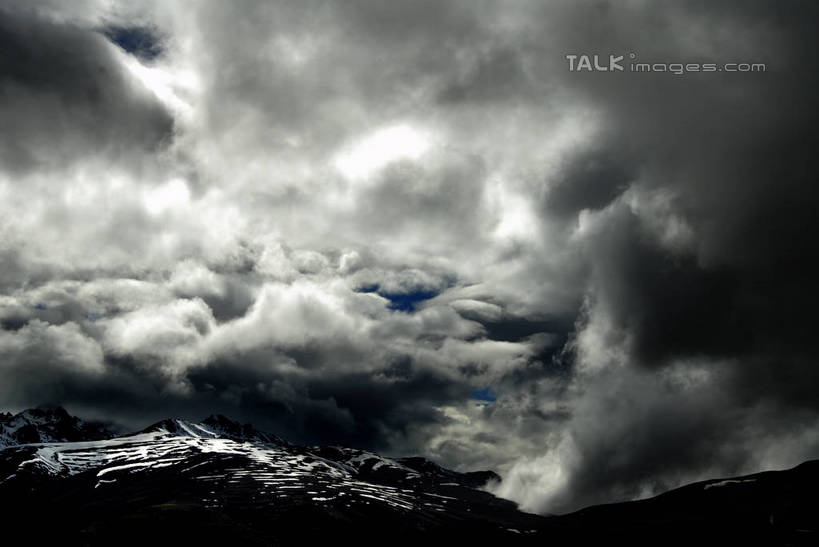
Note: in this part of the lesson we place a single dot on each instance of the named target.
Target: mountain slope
(218, 482)
(769, 508)
(185, 480)
(45, 425)
(215, 426)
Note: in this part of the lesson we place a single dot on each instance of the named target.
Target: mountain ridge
(216, 426)
(218, 481)
(48, 424)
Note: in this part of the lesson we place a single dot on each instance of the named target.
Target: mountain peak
(223, 422)
(48, 424)
(179, 427)
(212, 427)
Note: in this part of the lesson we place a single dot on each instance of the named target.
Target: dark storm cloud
(65, 96)
(705, 257)
(589, 181)
(340, 221)
(733, 155)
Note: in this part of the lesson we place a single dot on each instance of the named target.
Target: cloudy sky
(409, 227)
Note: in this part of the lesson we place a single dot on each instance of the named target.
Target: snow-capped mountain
(217, 482)
(218, 469)
(47, 425)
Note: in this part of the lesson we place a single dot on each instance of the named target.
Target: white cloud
(365, 156)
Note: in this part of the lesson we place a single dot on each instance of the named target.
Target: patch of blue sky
(141, 42)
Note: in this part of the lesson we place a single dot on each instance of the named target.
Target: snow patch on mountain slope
(279, 472)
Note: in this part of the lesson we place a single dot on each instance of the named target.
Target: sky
(410, 227)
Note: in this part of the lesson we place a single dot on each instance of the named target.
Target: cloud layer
(342, 220)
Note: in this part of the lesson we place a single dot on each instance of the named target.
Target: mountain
(218, 482)
(374, 468)
(47, 425)
(216, 426)
(769, 508)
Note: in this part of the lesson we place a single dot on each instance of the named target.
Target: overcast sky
(409, 227)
